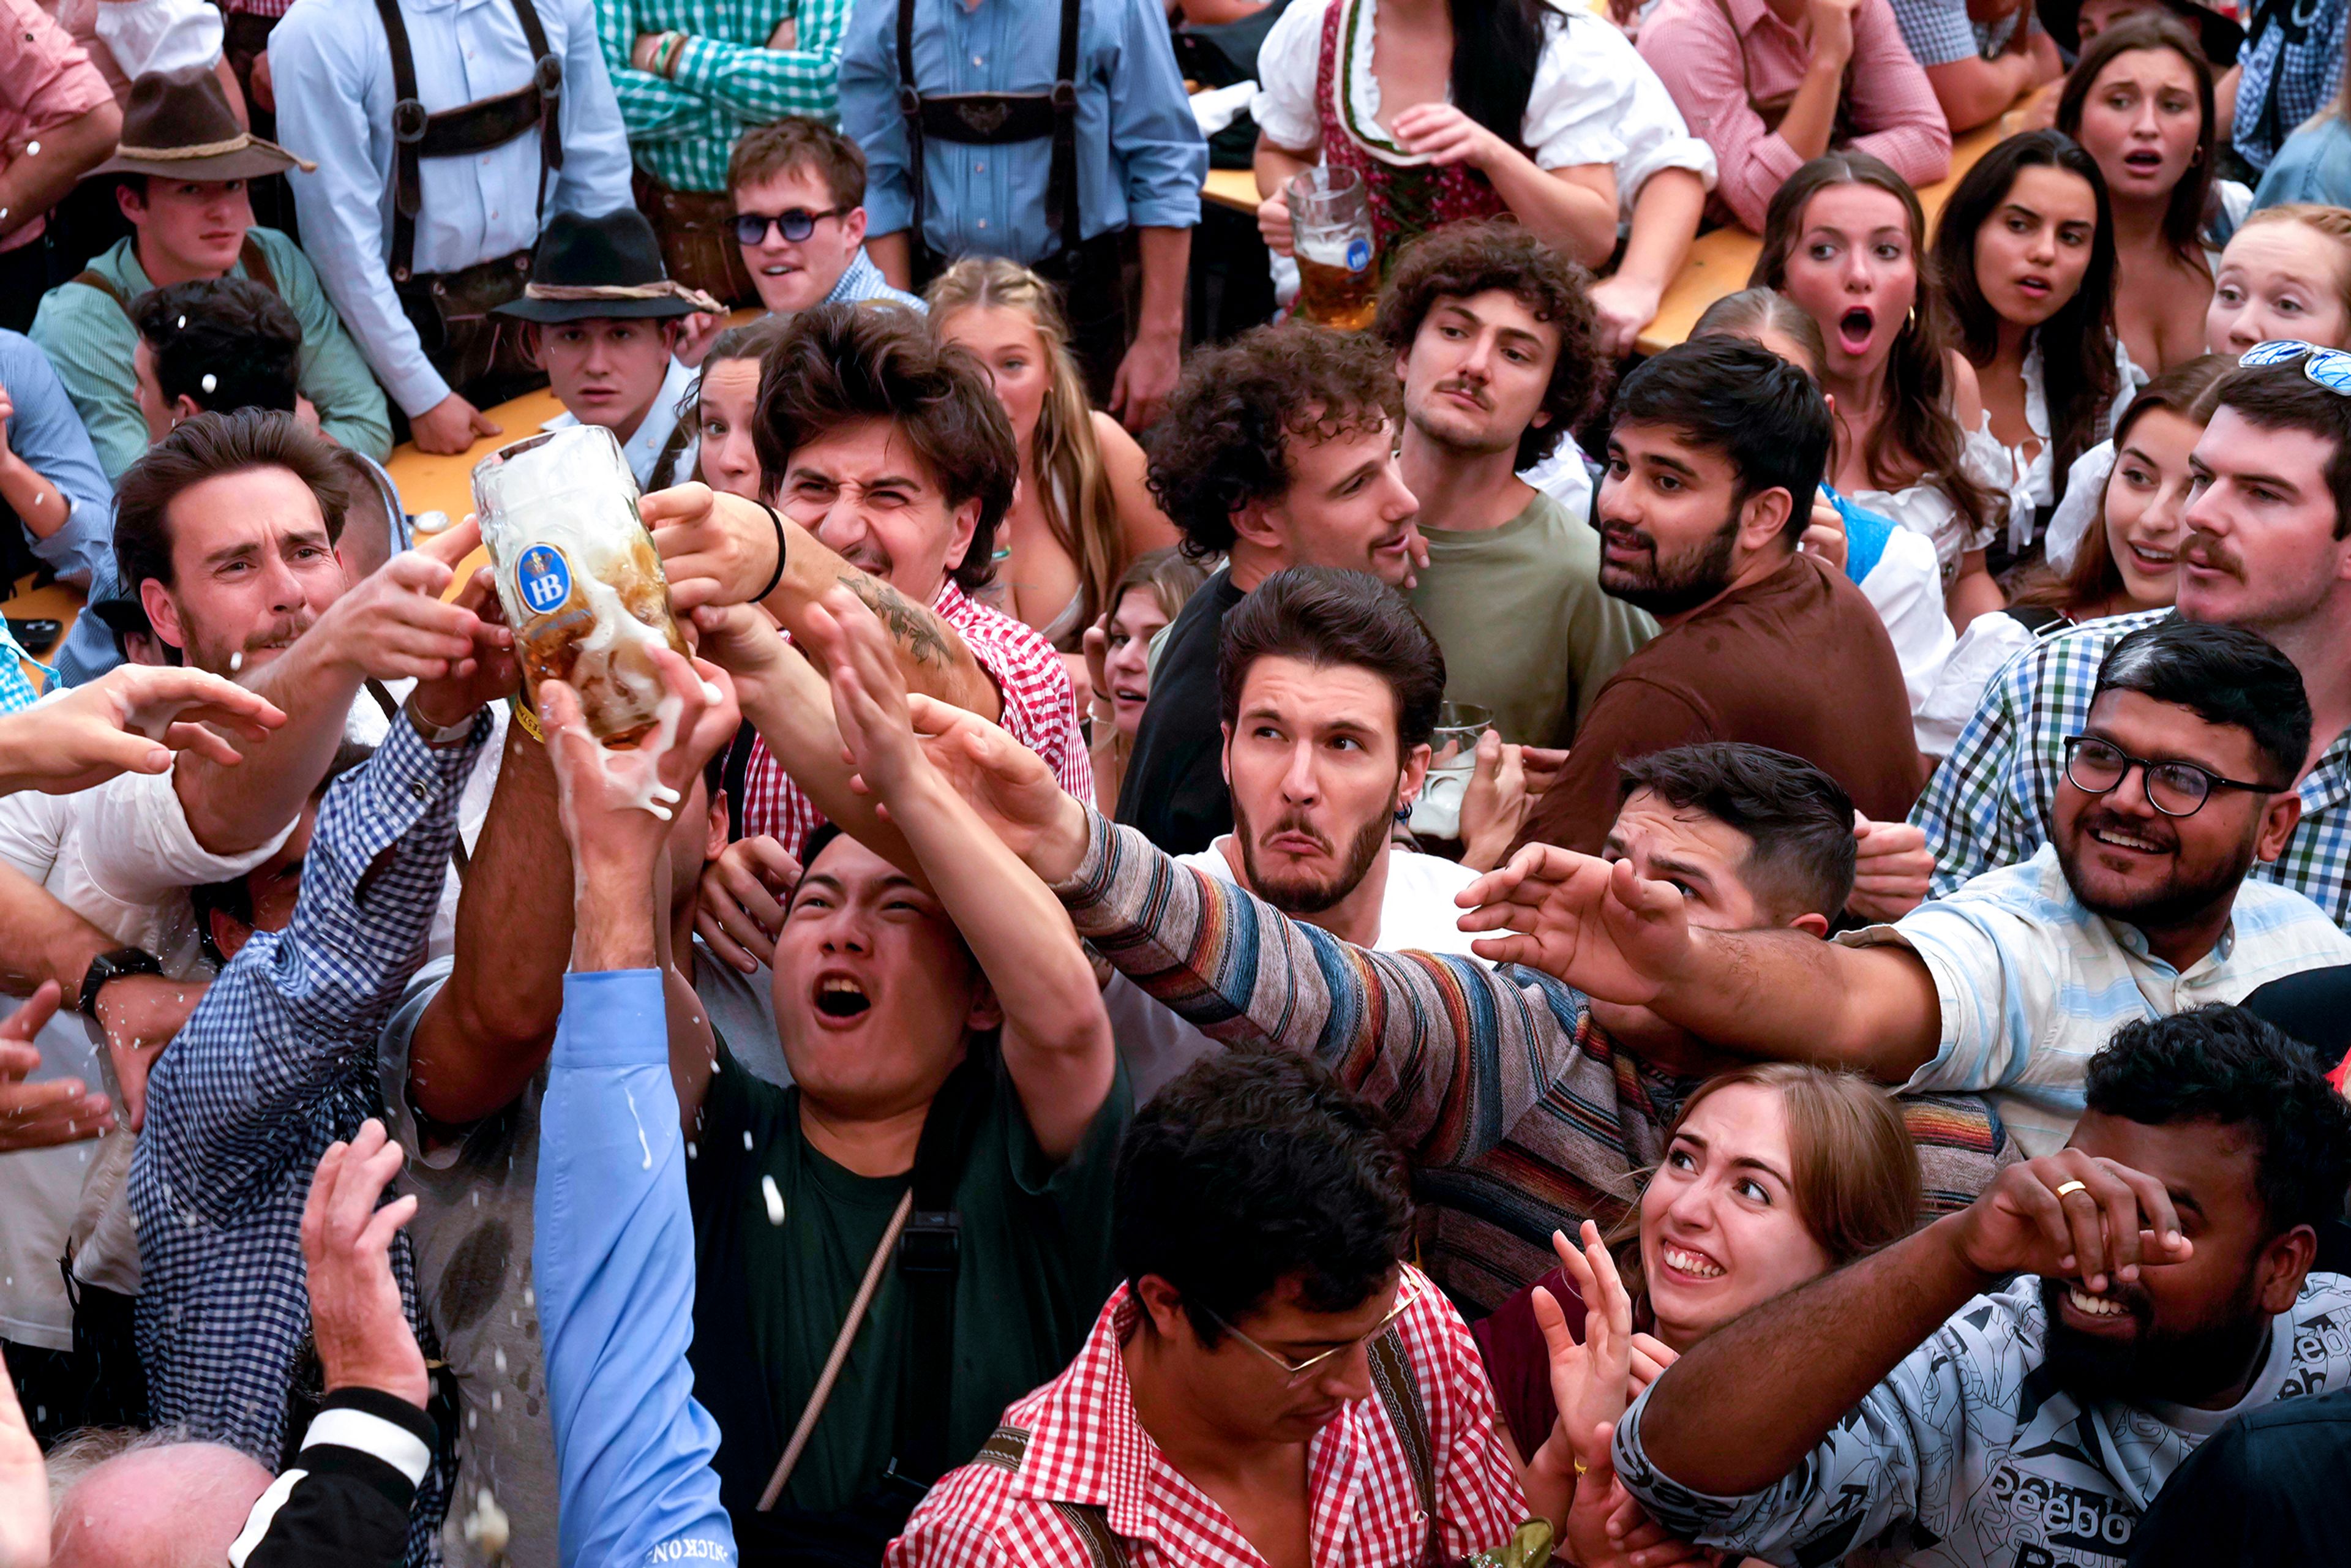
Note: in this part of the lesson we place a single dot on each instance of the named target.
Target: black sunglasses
(751, 228)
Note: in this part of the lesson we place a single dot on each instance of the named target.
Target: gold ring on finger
(2073, 1186)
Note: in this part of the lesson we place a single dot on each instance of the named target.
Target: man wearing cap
(180, 177)
(604, 321)
(447, 135)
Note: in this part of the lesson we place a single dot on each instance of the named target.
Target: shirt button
(417, 789)
(979, 168)
(978, 61)
(983, 223)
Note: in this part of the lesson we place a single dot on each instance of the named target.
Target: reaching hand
(1504, 785)
(363, 1337)
(451, 426)
(142, 1014)
(130, 720)
(615, 805)
(1598, 926)
(714, 548)
(492, 673)
(2109, 1220)
(392, 624)
(1825, 534)
(1009, 785)
(1591, 1383)
(741, 906)
(41, 1115)
(1892, 869)
(1443, 134)
(24, 1487)
(745, 642)
(869, 696)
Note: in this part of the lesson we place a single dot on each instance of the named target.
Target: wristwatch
(113, 966)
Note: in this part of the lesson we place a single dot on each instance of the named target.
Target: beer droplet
(774, 1199)
(184, 323)
(212, 381)
(32, 148)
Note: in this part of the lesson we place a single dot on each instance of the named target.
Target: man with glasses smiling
(798, 190)
(2179, 781)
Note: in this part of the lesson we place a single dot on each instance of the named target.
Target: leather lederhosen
(479, 355)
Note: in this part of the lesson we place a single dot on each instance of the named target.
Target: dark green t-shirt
(770, 1295)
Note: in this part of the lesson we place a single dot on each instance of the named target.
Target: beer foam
(1324, 250)
(649, 794)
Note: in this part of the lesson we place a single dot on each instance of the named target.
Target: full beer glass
(577, 574)
(1331, 235)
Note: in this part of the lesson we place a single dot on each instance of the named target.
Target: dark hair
(1323, 617)
(751, 340)
(2280, 397)
(797, 140)
(2193, 204)
(2076, 343)
(838, 364)
(1751, 312)
(1917, 427)
(2225, 675)
(205, 448)
(1496, 44)
(1735, 397)
(1251, 1168)
(2222, 1064)
(1799, 819)
(1464, 260)
(1223, 443)
(223, 343)
(2095, 578)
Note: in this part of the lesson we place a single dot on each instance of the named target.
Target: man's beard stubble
(2182, 898)
(1689, 582)
(1303, 896)
(2181, 1366)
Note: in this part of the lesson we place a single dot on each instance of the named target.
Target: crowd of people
(1232, 942)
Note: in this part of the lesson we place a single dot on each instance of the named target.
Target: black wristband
(776, 518)
(114, 966)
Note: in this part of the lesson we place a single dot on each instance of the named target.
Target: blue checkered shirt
(861, 280)
(2299, 53)
(1991, 801)
(276, 1062)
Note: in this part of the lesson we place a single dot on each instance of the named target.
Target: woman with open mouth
(2140, 102)
(2026, 249)
(1118, 658)
(1844, 239)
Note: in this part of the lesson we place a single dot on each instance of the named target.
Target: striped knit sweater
(1520, 1114)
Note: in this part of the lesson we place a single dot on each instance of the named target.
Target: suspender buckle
(931, 1243)
(1065, 97)
(910, 102)
(547, 77)
(408, 121)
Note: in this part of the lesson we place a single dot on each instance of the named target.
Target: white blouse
(2030, 482)
(1927, 508)
(1594, 100)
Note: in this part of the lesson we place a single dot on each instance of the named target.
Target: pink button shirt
(46, 79)
(1695, 46)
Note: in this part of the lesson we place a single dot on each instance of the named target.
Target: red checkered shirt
(1085, 1447)
(1040, 712)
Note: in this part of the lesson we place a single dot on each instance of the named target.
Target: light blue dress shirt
(46, 433)
(332, 66)
(1139, 155)
(613, 1261)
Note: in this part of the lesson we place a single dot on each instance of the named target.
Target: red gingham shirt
(1040, 712)
(1086, 1446)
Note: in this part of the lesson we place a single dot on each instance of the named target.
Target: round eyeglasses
(751, 228)
(2328, 368)
(2095, 767)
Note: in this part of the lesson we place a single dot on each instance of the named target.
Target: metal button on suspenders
(475, 127)
(997, 120)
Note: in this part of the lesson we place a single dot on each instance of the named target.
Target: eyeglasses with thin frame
(2097, 767)
(1299, 1371)
(751, 228)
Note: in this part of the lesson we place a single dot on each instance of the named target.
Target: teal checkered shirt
(727, 79)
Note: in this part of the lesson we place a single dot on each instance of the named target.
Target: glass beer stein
(1331, 235)
(577, 574)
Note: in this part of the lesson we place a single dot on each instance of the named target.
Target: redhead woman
(1844, 240)
(2286, 274)
(1081, 511)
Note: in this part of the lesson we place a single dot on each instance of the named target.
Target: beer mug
(577, 574)
(1331, 234)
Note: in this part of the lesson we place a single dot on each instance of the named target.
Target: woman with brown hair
(1149, 595)
(1773, 1175)
(1845, 240)
(2139, 101)
(1081, 511)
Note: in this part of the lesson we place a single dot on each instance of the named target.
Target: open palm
(1596, 925)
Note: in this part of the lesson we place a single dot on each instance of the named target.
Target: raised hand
(1591, 1383)
(714, 548)
(363, 1337)
(1892, 869)
(741, 902)
(1504, 784)
(1009, 785)
(743, 640)
(392, 624)
(493, 673)
(615, 805)
(1596, 925)
(41, 1115)
(869, 695)
(130, 720)
(2072, 1216)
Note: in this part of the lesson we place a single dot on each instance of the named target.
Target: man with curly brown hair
(1493, 335)
(1278, 450)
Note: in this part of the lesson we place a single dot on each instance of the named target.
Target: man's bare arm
(41, 939)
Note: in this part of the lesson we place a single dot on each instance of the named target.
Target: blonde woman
(1081, 512)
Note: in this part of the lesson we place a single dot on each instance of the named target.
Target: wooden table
(1234, 188)
(1720, 262)
(429, 482)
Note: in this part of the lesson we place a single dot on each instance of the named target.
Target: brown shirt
(1799, 661)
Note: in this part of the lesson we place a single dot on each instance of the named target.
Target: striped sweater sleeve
(1453, 1053)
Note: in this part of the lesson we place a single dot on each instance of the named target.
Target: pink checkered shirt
(1085, 1447)
(1040, 712)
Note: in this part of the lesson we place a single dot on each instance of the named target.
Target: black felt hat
(607, 265)
(2220, 34)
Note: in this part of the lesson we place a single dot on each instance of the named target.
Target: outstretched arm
(1057, 1037)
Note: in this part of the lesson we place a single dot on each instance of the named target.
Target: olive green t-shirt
(1525, 628)
(776, 1273)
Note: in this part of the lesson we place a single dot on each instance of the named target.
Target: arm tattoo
(914, 629)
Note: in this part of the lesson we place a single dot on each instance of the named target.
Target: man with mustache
(2163, 1285)
(1716, 454)
(2269, 546)
(2180, 779)
(1492, 332)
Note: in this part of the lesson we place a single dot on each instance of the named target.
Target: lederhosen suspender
(470, 128)
(997, 120)
(257, 267)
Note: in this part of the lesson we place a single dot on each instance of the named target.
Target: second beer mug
(1331, 234)
(577, 574)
